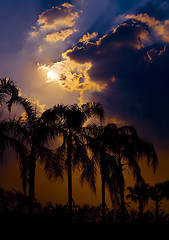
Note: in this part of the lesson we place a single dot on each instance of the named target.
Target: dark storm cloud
(115, 51)
(156, 8)
(136, 74)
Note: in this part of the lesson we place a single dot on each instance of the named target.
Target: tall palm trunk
(32, 165)
(103, 186)
(121, 187)
(157, 209)
(69, 161)
(140, 200)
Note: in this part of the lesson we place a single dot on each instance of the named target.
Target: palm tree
(73, 148)
(6, 88)
(8, 139)
(157, 193)
(35, 133)
(120, 146)
(129, 148)
(99, 140)
(139, 193)
(8, 133)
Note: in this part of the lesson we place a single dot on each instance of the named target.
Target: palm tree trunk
(103, 198)
(103, 187)
(32, 165)
(157, 210)
(140, 209)
(121, 186)
(69, 161)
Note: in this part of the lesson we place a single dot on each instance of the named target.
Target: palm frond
(75, 117)
(93, 136)
(93, 109)
(13, 134)
(138, 192)
(22, 156)
(127, 130)
(112, 179)
(131, 195)
(7, 86)
(79, 150)
(53, 166)
(89, 174)
(25, 104)
(43, 134)
(147, 149)
(15, 127)
(60, 110)
(135, 169)
(51, 116)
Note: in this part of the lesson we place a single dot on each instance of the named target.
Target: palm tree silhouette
(37, 137)
(140, 194)
(157, 193)
(100, 139)
(117, 147)
(36, 133)
(8, 132)
(7, 88)
(113, 148)
(129, 149)
(73, 148)
(9, 138)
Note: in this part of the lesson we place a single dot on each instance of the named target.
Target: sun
(51, 76)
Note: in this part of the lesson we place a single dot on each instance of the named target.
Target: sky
(114, 52)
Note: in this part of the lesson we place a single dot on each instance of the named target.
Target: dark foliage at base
(15, 204)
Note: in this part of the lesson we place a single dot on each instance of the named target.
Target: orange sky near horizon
(57, 193)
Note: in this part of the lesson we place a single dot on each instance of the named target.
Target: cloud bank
(116, 54)
(132, 61)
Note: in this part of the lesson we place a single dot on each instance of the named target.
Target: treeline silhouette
(88, 147)
(16, 204)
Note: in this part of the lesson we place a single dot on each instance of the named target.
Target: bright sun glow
(51, 76)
